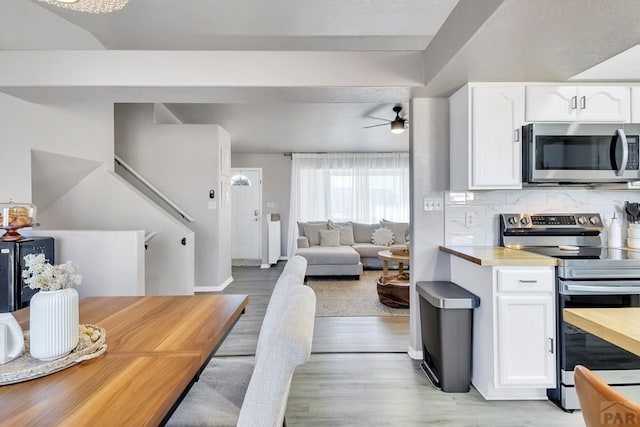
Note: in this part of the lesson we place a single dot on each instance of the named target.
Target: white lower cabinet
(514, 329)
(526, 340)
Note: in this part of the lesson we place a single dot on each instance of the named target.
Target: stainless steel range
(588, 275)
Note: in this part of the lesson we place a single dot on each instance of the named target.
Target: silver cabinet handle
(551, 346)
(583, 102)
(527, 281)
(574, 102)
(517, 135)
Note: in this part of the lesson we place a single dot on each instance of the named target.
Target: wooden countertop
(498, 256)
(156, 347)
(619, 326)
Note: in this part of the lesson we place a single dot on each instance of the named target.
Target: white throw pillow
(382, 236)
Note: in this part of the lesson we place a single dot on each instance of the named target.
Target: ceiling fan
(397, 124)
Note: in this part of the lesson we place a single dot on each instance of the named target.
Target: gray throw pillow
(362, 232)
(301, 226)
(400, 230)
(382, 237)
(346, 232)
(329, 237)
(312, 232)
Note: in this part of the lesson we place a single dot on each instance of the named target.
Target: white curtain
(359, 187)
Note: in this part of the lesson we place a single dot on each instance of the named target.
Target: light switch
(432, 204)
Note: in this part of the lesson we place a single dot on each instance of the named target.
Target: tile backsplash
(471, 218)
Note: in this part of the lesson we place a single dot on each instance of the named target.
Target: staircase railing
(151, 187)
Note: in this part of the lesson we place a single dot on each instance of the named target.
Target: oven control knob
(512, 220)
(524, 220)
(582, 220)
(594, 220)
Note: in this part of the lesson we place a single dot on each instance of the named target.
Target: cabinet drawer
(525, 281)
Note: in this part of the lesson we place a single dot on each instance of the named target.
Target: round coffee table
(387, 256)
(393, 289)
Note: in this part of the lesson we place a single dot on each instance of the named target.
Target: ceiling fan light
(397, 126)
(91, 6)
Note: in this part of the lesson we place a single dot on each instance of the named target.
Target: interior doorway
(246, 216)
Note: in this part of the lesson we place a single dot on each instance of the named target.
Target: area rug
(347, 298)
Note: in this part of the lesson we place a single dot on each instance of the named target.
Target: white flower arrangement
(39, 274)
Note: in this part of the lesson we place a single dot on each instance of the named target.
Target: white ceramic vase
(54, 323)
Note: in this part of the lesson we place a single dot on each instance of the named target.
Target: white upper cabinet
(635, 104)
(486, 137)
(557, 103)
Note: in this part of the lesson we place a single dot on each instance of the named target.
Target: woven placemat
(91, 344)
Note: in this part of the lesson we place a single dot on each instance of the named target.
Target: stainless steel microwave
(580, 153)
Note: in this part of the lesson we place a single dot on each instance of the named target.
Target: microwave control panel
(633, 162)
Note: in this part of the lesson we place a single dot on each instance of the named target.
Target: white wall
(429, 148)
(79, 129)
(111, 262)
(104, 201)
(276, 186)
(182, 161)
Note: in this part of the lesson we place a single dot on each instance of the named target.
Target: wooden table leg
(385, 270)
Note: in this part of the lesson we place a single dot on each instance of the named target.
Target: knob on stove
(582, 220)
(524, 220)
(512, 220)
(594, 220)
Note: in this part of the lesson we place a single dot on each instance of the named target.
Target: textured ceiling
(266, 25)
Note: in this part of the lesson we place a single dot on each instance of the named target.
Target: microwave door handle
(625, 152)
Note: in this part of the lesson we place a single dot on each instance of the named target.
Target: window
(359, 187)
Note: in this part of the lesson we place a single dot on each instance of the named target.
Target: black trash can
(446, 317)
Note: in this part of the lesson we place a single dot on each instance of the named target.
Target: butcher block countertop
(498, 256)
(619, 326)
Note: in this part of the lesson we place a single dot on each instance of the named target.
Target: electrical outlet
(469, 219)
(432, 204)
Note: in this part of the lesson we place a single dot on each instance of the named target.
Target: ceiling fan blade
(375, 126)
(378, 118)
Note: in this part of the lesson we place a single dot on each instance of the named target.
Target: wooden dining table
(156, 348)
(619, 326)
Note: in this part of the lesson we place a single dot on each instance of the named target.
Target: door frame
(234, 171)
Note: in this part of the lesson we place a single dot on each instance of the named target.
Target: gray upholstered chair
(239, 392)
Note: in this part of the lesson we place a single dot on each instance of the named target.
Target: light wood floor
(360, 375)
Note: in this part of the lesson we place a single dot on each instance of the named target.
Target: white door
(246, 217)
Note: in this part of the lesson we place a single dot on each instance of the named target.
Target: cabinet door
(604, 104)
(526, 341)
(497, 118)
(635, 104)
(551, 104)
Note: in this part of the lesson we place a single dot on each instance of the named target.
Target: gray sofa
(354, 252)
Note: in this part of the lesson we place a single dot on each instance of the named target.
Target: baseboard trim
(283, 258)
(414, 354)
(265, 265)
(214, 288)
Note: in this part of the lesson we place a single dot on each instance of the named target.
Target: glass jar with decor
(14, 216)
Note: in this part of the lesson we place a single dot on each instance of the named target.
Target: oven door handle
(612, 288)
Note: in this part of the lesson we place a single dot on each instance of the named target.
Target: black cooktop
(584, 253)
